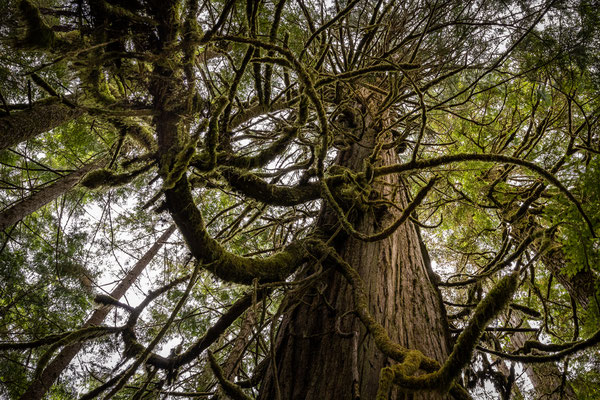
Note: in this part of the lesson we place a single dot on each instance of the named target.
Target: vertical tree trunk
(312, 359)
(40, 386)
(23, 208)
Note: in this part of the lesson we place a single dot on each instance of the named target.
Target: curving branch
(572, 348)
(225, 265)
(463, 157)
(252, 186)
(211, 335)
(386, 231)
(230, 388)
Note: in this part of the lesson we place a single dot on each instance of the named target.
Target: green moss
(486, 310)
(106, 178)
(225, 265)
(180, 166)
(410, 365)
(142, 135)
(38, 34)
(386, 377)
(96, 85)
(97, 178)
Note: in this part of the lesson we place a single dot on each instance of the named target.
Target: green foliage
(250, 127)
(44, 290)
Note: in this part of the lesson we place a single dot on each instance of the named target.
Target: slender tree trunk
(41, 117)
(232, 364)
(28, 205)
(39, 387)
(312, 359)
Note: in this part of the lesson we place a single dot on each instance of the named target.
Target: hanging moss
(143, 136)
(180, 166)
(96, 85)
(37, 34)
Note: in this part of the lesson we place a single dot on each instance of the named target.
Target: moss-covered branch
(252, 186)
(277, 147)
(566, 349)
(43, 116)
(308, 86)
(225, 265)
(87, 333)
(212, 135)
(33, 343)
(107, 178)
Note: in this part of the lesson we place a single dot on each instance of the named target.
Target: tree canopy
(180, 178)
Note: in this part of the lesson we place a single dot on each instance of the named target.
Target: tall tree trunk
(40, 386)
(41, 117)
(312, 359)
(23, 208)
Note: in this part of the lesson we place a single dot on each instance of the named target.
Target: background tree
(381, 200)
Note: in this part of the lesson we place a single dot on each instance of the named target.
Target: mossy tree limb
(225, 265)
(43, 116)
(257, 188)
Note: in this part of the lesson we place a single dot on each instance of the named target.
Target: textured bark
(39, 387)
(231, 365)
(580, 286)
(41, 117)
(312, 360)
(28, 205)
